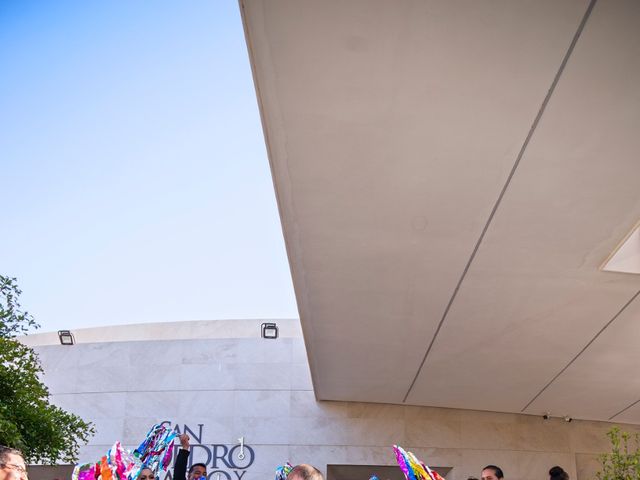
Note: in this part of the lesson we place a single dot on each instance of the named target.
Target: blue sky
(135, 181)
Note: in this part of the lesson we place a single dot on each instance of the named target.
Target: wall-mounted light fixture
(66, 337)
(269, 330)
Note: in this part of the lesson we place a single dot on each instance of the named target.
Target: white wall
(261, 390)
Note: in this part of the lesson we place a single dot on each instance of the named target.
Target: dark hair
(557, 473)
(305, 472)
(497, 471)
(197, 465)
(147, 467)
(6, 451)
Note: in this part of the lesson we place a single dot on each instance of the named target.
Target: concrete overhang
(450, 176)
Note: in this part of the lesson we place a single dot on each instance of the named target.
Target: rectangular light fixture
(626, 257)
(66, 337)
(269, 330)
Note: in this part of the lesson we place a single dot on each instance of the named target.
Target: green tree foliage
(623, 463)
(13, 321)
(44, 432)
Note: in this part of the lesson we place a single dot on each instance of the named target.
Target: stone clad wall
(261, 390)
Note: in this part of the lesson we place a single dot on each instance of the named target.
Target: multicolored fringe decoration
(413, 468)
(156, 449)
(85, 471)
(155, 453)
(283, 471)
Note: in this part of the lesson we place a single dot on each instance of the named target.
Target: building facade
(248, 405)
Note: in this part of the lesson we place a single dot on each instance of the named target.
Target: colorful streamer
(283, 471)
(412, 467)
(155, 452)
(156, 449)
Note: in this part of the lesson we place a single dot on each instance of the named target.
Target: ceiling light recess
(626, 257)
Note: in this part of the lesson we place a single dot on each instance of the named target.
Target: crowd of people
(13, 467)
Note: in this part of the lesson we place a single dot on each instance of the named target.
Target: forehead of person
(9, 473)
(197, 471)
(489, 474)
(146, 474)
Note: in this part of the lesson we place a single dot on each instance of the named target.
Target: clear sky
(134, 177)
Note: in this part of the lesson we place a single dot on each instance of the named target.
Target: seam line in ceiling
(532, 130)
(582, 351)
(623, 410)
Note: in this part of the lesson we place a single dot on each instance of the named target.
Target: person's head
(196, 471)
(146, 474)
(557, 473)
(304, 472)
(12, 466)
(491, 472)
